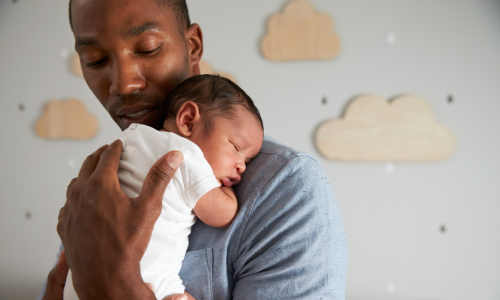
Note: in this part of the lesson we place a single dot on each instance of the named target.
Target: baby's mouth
(227, 182)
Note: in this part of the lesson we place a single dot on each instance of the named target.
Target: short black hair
(179, 7)
(215, 96)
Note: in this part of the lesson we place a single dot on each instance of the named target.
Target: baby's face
(230, 145)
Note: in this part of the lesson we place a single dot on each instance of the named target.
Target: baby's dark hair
(215, 96)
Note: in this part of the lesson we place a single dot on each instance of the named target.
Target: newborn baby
(219, 130)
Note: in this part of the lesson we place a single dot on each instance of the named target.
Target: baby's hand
(171, 297)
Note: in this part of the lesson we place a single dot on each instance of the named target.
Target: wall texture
(393, 213)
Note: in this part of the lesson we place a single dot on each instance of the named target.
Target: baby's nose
(240, 168)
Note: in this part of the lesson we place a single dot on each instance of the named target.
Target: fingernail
(175, 160)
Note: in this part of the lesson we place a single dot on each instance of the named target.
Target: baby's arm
(218, 207)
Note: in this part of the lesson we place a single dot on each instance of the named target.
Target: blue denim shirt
(286, 242)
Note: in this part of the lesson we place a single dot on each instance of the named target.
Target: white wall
(392, 220)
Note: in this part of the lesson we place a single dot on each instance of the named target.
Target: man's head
(218, 116)
(179, 7)
(134, 53)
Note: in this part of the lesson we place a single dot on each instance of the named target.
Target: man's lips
(137, 114)
(134, 111)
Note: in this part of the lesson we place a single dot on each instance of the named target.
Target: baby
(219, 130)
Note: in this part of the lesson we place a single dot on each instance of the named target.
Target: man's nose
(126, 77)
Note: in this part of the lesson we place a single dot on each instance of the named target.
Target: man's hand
(104, 232)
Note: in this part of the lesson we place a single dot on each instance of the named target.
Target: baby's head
(219, 117)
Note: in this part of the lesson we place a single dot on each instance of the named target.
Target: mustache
(134, 99)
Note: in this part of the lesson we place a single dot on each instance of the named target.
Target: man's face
(133, 55)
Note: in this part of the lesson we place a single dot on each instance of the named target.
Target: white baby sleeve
(197, 175)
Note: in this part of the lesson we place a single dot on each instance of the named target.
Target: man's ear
(187, 118)
(194, 42)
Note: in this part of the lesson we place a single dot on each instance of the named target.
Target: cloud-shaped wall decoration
(66, 120)
(374, 129)
(300, 33)
(206, 68)
(76, 68)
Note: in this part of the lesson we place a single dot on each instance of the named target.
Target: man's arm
(294, 243)
(218, 207)
(104, 232)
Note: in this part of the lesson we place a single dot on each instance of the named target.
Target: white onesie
(162, 261)
(142, 147)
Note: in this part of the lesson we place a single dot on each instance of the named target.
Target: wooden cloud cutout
(206, 68)
(374, 129)
(76, 68)
(66, 120)
(300, 33)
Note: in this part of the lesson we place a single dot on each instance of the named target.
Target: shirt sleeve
(294, 247)
(197, 174)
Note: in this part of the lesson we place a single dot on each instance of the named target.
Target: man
(287, 241)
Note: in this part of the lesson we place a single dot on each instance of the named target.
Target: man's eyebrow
(133, 32)
(81, 41)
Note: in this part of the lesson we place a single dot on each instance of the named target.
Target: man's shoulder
(276, 158)
(276, 164)
(273, 146)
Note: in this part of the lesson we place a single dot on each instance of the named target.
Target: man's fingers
(90, 163)
(57, 279)
(110, 160)
(159, 176)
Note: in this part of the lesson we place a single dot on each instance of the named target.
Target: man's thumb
(159, 176)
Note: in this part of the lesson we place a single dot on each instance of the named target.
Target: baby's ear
(187, 118)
